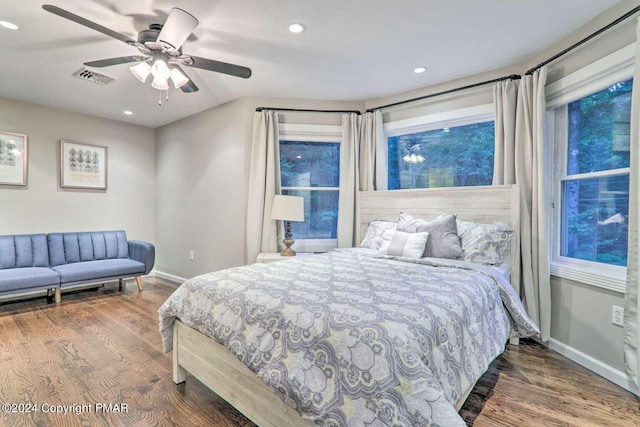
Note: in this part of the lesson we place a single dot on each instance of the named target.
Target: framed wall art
(14, 158)
(83, 166)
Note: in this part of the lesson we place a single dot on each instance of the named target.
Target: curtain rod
(445, 92)
(300, 110)
(584, 40)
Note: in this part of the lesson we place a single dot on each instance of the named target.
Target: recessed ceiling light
(296, 28)
(9, 25)
(419, 70)
(128, 113)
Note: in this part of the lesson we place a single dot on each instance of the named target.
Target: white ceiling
(353, 50)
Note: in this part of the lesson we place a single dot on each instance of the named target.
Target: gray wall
(581, 319)
(42, 206)
(201, 162)
(202, 165)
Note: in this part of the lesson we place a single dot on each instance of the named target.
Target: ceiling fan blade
(177, 28)
(190, 86)
(114, 61)
(90, 24)
(218, 67)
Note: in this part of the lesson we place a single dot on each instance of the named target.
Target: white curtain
(530, 177)
(632, 304)
(504, 101)
(373, 153)
(348, 180)
(264, 184)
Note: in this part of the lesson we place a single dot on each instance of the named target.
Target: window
(451, 150)
(589, 127)
(310, 168)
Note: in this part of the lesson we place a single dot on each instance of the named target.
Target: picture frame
(14, 158)
(83, 166)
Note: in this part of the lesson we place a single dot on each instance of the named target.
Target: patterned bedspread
(350, 339)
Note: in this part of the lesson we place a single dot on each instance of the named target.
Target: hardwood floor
(530, 385)
(101, 347)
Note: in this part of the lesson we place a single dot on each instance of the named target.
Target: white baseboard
(600, 368)
(171, 277)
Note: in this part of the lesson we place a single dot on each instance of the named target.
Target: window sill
(314, 245)
(615, 281)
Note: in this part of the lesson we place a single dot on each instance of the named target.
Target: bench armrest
(143, 252)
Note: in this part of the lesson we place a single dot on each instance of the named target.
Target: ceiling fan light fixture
(178, 78)
(160, 83)
(160, 70)
(159, 45)
(141, 71)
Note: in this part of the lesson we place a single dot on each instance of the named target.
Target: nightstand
(275, 256)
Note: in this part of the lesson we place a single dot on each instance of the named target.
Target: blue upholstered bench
(59, 260)
(24, 264)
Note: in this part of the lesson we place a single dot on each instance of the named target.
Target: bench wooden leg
(58, 297)
(139, 282)
(120, 284)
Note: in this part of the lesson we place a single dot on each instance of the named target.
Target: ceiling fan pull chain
(160, 97)
(167, 95)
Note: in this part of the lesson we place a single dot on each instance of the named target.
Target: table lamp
(287, 209)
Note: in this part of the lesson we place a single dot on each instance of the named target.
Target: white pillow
(373, 236)
(399, 243)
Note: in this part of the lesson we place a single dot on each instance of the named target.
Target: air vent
(92, 76)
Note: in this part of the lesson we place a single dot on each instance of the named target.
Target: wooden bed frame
(225, 375)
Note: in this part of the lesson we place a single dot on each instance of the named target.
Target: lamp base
(287, 251)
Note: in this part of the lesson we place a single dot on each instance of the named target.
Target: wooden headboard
(477, 204)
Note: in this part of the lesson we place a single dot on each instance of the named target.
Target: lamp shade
(288, 208)
(141, 71)
(160, 83)
(178, 78)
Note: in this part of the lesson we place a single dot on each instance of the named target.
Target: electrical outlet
(191, 255)
(617, 315)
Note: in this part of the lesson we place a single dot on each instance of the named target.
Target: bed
(395, 343)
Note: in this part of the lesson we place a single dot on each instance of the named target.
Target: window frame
(320, 134)
(446, 119)
(599, 75)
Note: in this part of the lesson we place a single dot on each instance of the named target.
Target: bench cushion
(97, 270)
(28, 278)
(65, 248)
(23, 250)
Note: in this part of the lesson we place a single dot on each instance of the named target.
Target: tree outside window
(312, 170)
(448, 157)
(595, 186)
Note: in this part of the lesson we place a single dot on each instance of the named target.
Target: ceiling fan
(161, 51)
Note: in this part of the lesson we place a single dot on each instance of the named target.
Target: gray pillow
(484, 243)
(443, 239)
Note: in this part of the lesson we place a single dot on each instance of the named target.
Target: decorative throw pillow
(373, 236)
(399, 243)
(443, 234)
(484, 243)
